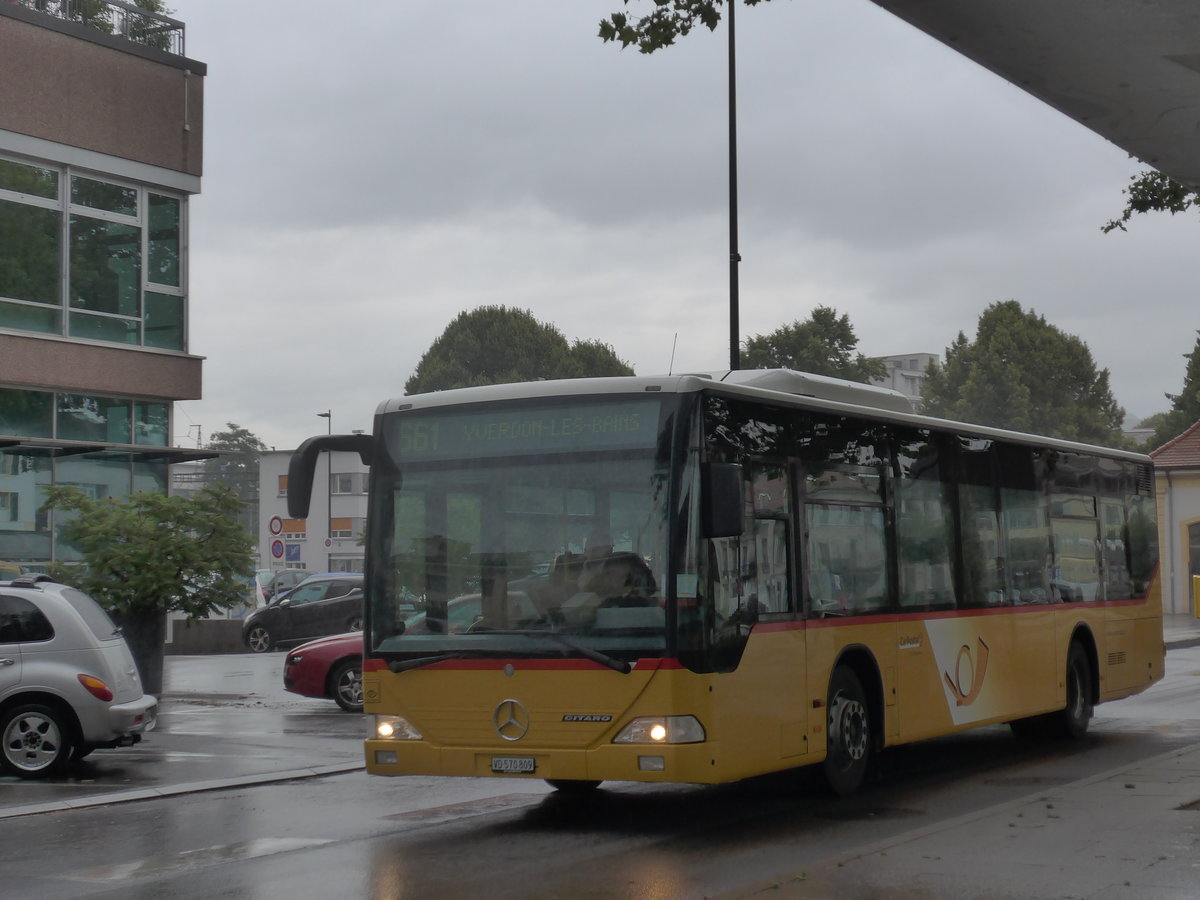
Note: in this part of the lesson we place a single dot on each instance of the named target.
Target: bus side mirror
(303, 465)
(721, 499)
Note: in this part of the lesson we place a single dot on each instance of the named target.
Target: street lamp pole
(734, 255)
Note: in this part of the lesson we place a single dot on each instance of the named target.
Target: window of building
(348, 483)
(102, 260)
(85, 417)
(346, 527)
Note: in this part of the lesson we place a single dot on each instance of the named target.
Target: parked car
(68, 683)
(274, 582)
(320, 605)
(329, 667)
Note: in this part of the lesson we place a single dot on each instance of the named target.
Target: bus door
(754, 594)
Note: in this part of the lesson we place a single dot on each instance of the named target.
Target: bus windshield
(507, 532)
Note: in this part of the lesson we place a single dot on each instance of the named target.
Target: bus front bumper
(695, 763)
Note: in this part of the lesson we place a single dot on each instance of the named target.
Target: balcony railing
(150, 29)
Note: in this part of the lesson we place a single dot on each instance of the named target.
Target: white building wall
(1178, 507)
(339, 494)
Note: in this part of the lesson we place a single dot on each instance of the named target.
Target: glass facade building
(100, 150)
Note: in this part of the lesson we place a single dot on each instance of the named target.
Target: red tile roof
(1182, 452)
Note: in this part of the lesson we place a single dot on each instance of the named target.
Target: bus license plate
(513, 764)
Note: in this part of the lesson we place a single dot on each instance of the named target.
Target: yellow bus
(703, 578)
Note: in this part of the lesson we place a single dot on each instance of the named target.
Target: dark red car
(328, 667)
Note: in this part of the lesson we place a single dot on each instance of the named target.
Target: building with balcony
(101, 134)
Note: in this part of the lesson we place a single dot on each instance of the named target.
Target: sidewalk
(1181, 631)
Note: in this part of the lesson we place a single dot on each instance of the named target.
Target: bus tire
(848, 733)
(1073, 721)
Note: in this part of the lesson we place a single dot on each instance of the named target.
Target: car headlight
(394, 728)
(662, 730)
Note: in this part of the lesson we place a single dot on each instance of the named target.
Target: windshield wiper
(617, 665)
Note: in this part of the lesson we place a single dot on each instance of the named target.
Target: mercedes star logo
(511, 720)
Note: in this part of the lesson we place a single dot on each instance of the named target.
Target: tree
(823, 345)
(498, 345)
(1153, 191)
(1024, 374)
(149, 554)
(237, 468)
(668, 20)
(1185, 406)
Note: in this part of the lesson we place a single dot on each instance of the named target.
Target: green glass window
(163, 264)
(33, 180)
(112, 198)
(106, 266)
(30, 318)
(104, 328)
(163, 324)
(100, 419)
(29, 253)
(150, 423)
(26, 413)
(150, 477)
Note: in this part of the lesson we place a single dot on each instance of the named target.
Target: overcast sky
(373, 169)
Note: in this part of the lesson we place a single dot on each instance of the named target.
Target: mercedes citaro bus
(701, 578)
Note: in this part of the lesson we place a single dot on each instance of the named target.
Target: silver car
(68, 683)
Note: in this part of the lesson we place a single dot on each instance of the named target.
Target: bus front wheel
(848, 734)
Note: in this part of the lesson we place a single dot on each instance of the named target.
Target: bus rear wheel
(848, 733)
(1073, 721)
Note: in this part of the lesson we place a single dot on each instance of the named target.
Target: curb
(196, 787)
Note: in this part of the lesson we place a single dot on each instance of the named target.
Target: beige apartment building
(101, 136)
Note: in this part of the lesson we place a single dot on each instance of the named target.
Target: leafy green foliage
(1024, 374)
(147, 554)
(237, 468)
(823, 345)
(668, 20)
(499, 345)
(1153, 191)
(1185, 406)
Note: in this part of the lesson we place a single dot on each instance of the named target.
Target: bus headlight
(662, 730)
(394, 728)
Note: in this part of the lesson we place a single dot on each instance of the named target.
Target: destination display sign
(518, 430)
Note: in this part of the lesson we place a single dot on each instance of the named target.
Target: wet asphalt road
(350, 835)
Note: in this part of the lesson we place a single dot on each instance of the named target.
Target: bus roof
(779, 385)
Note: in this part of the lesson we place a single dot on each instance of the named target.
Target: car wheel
(355, 623)
(848, 739)
(258, 639)
(346, 685)
(35, 741)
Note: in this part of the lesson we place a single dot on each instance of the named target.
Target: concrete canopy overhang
(1129, 70)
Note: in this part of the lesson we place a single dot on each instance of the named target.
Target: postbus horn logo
(967, 680)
